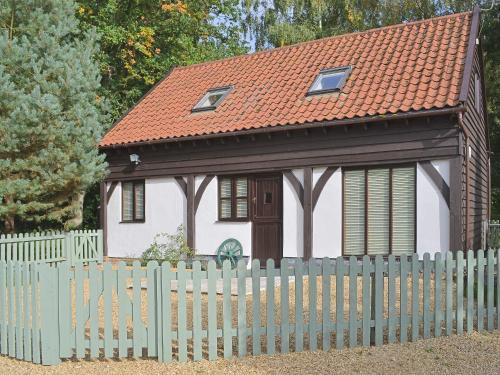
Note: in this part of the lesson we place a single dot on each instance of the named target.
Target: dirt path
(470, 354)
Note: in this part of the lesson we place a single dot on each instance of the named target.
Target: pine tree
(51, 116)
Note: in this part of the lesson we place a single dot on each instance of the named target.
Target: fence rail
(74, 246)
(51, 313)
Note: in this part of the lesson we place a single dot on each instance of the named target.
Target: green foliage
(169, 247)
(143, 39)
(491, 42)
(51, 113)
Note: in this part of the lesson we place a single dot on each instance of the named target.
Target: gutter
(312, 125)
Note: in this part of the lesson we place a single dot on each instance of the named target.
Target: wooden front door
(267, 199)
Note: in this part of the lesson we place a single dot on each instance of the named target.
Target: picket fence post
(49, 315)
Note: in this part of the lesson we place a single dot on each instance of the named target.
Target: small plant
(169, 247)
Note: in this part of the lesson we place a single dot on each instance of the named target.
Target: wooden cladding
(409, 141)
(379, 211)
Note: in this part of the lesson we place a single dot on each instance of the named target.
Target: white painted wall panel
(433, 215)
(293, 217)
(209, 232)
(327, 217)
(165, 211)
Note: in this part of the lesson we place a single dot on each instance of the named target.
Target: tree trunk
(77, 219)
(9, 221)
(9, 224)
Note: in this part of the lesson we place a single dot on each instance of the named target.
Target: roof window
(212, 99)
(329, 80)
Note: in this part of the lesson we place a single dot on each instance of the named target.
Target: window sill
(132, 222)
(228, 221)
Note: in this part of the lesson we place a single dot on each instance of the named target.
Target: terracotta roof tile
(399, 68)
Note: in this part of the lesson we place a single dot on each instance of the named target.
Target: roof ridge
(314, 41)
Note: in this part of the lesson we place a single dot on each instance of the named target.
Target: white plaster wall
(327, 217)
(165, 211)
(209, 232)
(293, 219)
(433, 215)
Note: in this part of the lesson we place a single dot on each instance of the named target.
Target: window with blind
(233, 198)
(379, 211)
(133, 201)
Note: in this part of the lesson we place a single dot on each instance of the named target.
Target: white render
(293, 218)
(209, 232)
(327, 217)
(166, 210)
(433, 214)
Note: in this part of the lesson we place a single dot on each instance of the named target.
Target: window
(133, 201)
(379, 211)
(329, 80)
(212, 99)
(233, 198)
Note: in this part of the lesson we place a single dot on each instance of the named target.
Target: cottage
(367, 143)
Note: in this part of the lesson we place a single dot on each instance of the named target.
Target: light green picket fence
(51, 313)
(74, 246)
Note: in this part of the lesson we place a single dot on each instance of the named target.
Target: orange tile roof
(400, 68)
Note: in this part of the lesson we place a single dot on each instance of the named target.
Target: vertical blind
(225, 198)
(354, 212)
(403, 210)
(241, 197)
(127, 201)
(133, 200)
(139, 201)
(379, 211)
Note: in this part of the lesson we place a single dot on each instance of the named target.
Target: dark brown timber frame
(111, 189)
(201, 190)
(193, 200)
(296, 185)
(308, 197)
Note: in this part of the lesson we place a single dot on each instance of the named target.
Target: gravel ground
(469, 354)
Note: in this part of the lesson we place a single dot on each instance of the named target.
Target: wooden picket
(37, 302)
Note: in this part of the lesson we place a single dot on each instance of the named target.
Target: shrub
(169, 247)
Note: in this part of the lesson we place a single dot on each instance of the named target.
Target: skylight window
(212, 99)
(329, 80)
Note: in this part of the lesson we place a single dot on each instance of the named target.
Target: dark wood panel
(476, 171)
(420, 138)
(267, 218)
(241, 166)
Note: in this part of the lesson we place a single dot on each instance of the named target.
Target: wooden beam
(180, 181)
(201, 190)
(296, 185)
(456, 218)
(308, 213)
(110, 191)
(318, 188)
(190, 212)
(437, 179)
(103, 216)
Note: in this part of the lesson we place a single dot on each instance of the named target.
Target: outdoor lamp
(134, 159)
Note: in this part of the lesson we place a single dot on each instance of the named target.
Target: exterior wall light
(134, 159)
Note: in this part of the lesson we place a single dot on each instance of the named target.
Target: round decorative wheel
(230, 249)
